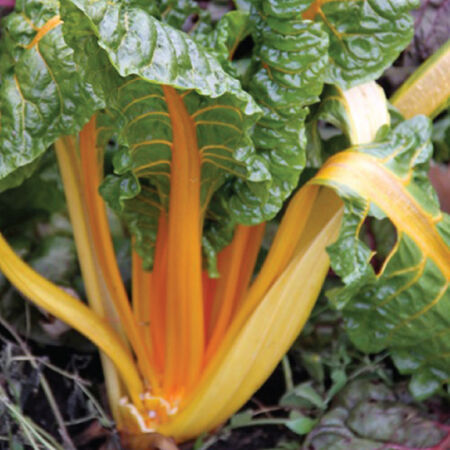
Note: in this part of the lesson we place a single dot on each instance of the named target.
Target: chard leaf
(42, 94)
(139, 44)
(290, 60)
(406, 306)
(365, 36)
(218, 112)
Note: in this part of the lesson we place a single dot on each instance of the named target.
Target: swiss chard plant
(212, 139)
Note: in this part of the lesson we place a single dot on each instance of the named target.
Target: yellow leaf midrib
(367, 177)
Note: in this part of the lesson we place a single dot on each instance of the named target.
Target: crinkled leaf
(139, 44)
(42, 94)
(288, 69)
(232, 28)
(365, 36)
(142, 184)
(406, 306)
(290, 59)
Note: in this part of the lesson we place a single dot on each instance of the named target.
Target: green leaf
(41, 194)
(300, 424)
(139, 44)
(339, 379)
(16, 178)
(241, 419)
(141, 188)
(283, 9)
(231, 29)
(441, 138)
(365, 36)
(406, 306)
(290, 58)
(42, 95)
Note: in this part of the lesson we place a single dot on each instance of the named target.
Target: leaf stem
(185, 332)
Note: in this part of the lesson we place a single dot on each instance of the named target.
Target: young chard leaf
(365, 36)
(406, 306)
(42, 95)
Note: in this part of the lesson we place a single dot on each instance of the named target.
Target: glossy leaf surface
(290, 61)
(366, 36)
(139, 44)
(231, 29)
(42, 95)
(143, 164)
